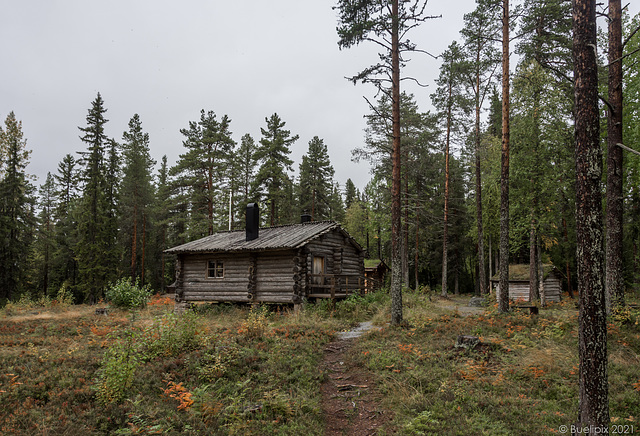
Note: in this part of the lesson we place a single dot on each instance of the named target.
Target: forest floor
(351, 401)
(234, 370)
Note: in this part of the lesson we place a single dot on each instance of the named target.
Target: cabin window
(215, 269)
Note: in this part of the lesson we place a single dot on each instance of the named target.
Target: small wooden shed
(375, 271)
(281, 264)
(519, 282)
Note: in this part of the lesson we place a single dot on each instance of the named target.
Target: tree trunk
(592, 331)
(405, 224)
(540, 273)
(144, 246)
(503, 302)
(396, 197)
(416, 254)
(567, 265)
(614, 277)
(446, 197)
(134, 242)
(533, 264)
(481, 273)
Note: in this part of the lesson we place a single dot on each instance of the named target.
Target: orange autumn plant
(101, 331)
(158, 300)
(178, 392)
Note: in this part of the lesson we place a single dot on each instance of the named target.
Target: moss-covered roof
(374, 263)
(520, 272)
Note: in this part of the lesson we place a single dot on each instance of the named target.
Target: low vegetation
(227, 369)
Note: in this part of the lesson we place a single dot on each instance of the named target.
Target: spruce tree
(316, 181)
(349, 193)
(272, 180)
(44, 245)
(245, 163)
(93, 212)
(16, 210)
(161, 239)
(65, 264)
(136, 196)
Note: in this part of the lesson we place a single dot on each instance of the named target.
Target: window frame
(217, 269)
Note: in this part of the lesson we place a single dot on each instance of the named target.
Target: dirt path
(350, 401)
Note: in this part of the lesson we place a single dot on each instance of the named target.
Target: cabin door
(318, 268)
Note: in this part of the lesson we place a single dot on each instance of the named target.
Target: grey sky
(167, 60)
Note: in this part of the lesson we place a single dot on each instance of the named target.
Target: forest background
(110, 211)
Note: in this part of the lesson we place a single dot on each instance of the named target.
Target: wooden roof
(270, 238)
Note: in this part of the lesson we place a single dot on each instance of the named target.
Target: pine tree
(273, 154)
(136, 196)
(503, 300)
(16, 210)
(453, 108)
(592, 319)
(94, 242)
(480, 32)
(615, 199)
(316, 181)
(386, 24)
(202, 173)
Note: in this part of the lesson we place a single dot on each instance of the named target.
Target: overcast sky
(167, 60)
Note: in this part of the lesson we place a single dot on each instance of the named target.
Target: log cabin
(550, 289)
(280, 264)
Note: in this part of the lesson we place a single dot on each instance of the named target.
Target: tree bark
(592, 330)
(446, 196)
(481, 273)
(614, 272)
(533, 264)
(503, 302)
(134, 242)
(396, 197)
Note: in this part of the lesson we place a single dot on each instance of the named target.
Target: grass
(228, 369)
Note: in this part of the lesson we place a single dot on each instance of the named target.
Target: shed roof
(520, 272)
(372, 264)
(270, 238)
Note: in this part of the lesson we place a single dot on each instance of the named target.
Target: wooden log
(218, 298)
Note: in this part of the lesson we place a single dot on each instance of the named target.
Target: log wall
(270, 276)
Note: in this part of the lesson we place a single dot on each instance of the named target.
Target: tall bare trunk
(503, 302)
(396, 197)
(614, 277)
(144, 246)
(592, 330)
(405, 224)
(134, 242)
(482, 280)
(533, 264)
(416, 260)
(446, 197)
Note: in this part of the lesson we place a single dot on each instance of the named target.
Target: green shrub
(64, 297)
(171, 335)
(117, 370)
(128, 295)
